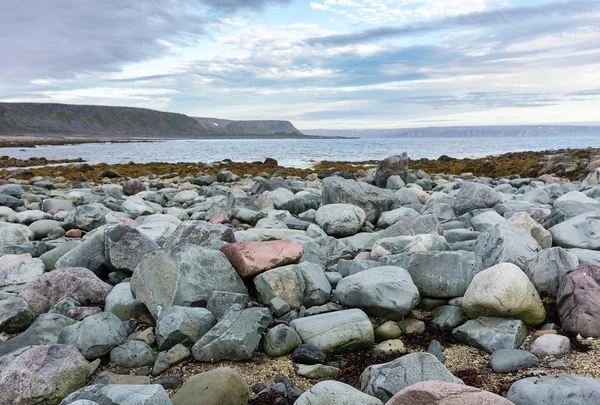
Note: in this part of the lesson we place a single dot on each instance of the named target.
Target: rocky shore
(374, 283)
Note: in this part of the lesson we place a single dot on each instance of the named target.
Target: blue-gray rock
(506, 244)
(491, 334)
(91, 254)
(389, 218)
(42, 228)
(50, 204)
(473, 196)
(396, 165)
(34, 248)
(335, 393)
(340, 220)
(486, 221)
(410, 226)
(125, 246)
(15, 315)
(308, 354)
(382, 291)
(117, 394)
(434, 347)
(280, 341)
(43, 331)
(235, 337)
(325, 251)
(120, 301)
(350, 267)
(438, 274)
(14, 233)
(199, 233)
(511, 360)
(448, 317)
(50, 257)
(63, 306)
(86, 217)
(383, 381)
(95, 336)
(132, 354)
(183, 275)
(335, 332)
(563, 389)
(279, 307)
(579, 232)
(547, 269)
(221, 301)
(185, 325)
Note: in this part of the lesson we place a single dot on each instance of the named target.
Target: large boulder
(383, 381)
(563, 389)
(18, 270)
(548, 268)
(199, 233)
(125, 246)
(325, 251)
(120, 301)
(76, 282)
(445, 393)
(91, 254)
(373, 200)
(15, 315)
(235, 337)
(340, 220)
(95, 336)
(538, 232)
(438, 274)
(403, 244)
(579, 232)
(504, 291)
(119, 394)
(335, 393)
(86, 217)
(389, 218)
(183, 275)
(578, 301)
(506, 244)
(335, 332)
(222, 386)
(182, 325)
(252, 258)
(472, 196)
(392, 166)
(43, 375)
(382, 291)
(410, 226)
(491, 334)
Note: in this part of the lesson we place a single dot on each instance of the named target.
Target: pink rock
(3, 182)
(221, 218)
(548, 178)
(363, 256)
(443, 393)
(128, 221)
(74, 233)
(80, 313)
(55, 211)
(578, 301)
(539, 333)
(252, 258)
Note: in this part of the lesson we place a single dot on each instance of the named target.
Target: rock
(170, 358)
(392, 347)
(555, 389)
(53, 204)
(119, 394)
(409, 226)
(448, 317)
(389, 218)
(504, 291)
(43, 331)
(235, 337)
(506, 244)
(412, 326)
(199, 233)
(486, 221)
(316, 371)
(182, 276)
(511, 360)
(402, 244)
(308, 354)
(80, 313)
(388, 330)
(221, 301)
(17, 270)
(438, 274)
(434, 347)
(550, 345)
(132, 354)
(222, 386)
(50, 257)
(107, 378)
(524, 221)
(383, 381)
(382, 291)
(43, 375)
(120, 302)
(445, 393)
(91, 254)
(578, 301)
(252, 258)
(371, 199)
(335, 332)
(548, 268)
(42, 228)
(35, 249)
(78, 283)
(473, 196)
(185, 325)
(340, 220)
(392, 166)
(279, 307)
(280, 341)
(335, 393)
(95, 336)
(126, 246)
(491, 334)
(132, 187)
(159, 232)
(350, 267)
(578, 232)
(325, 251)
(135, 207)
(85, 217)
(394, 182)
(15, 315)
(9, 201)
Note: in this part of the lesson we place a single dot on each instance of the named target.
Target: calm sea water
(298, 152)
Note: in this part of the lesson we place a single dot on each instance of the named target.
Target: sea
(301, 153)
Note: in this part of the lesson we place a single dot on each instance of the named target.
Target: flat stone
(491, 334)
(511, 360)
(120, 394)
(550, 345)
(555, 389)
(252, 258)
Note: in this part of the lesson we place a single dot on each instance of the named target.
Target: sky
(328, 64)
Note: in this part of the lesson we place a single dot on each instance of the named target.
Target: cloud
(234, 5)
(500, 16)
